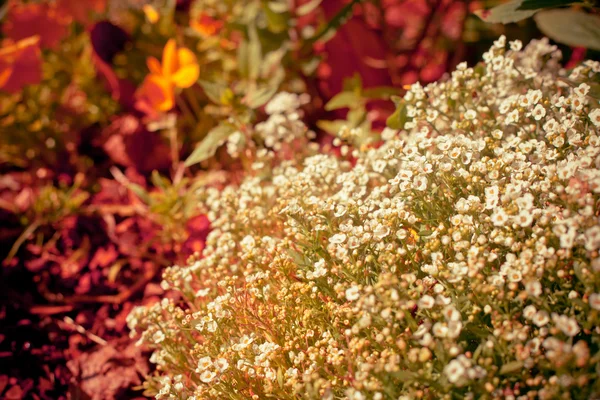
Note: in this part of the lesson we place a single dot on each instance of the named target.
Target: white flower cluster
(459, 259)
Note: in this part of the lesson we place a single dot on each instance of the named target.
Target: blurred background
(112, 113)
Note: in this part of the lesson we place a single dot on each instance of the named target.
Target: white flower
(516, 45)
(499, 217)
(221, 364)
(338, 238)
(594, 301)
(320, 269)
(594, 116)
(470, 114)
(204, 363)
(158, 337)
(352, 293)
(529, 311)
(420, 183)
(541, 318)
(454, 371)
(538, 112)
(207, 376)
(426, 302)
(582, 90)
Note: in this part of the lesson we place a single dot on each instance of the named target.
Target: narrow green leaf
(159, 181)
(511, 367)
(332, 127)
(308, 7)
(209, 145)
(254, 54)
(139, 191)
(570, 27)
(505, 13)
(342, 100)
(243, 59)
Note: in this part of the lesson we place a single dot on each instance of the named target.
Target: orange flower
(151, 14)
(206, 25)
(179, 68)
(20, 64)
(157, 93)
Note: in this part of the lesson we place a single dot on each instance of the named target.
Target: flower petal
(158, 92)
(169, 58)
(154, 66)
(186, 57)
(186, 76)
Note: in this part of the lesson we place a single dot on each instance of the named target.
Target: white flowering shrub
(457, 260)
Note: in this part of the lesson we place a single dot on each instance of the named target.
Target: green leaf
(308, 7)
(539, 4)
(277, 22)
(214, 91)
(571, 27)
(511, 367)
(342, 100)
(139, 191)
(356, 117)
(381, 92)
(209, 145)
(594, 90)
(243, 59)
(505, 13)
(254, 54)
(398, 118)
(159, 181)
(260, 96)
(332, 127)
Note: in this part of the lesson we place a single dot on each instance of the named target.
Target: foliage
(456, 259)
(571, 26)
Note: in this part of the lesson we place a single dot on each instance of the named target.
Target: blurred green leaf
(332, 127)
(505, 13)
(214, 91)
(398, 118)
(243, 59)
(511, 367)
(570, 27)
(209, 145)
(342, 100)
(381, 92)
(277, 22)
(254, 54)
(260, 96)
(139, 191)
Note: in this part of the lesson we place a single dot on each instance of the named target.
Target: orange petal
(186, 76)
(154, 66)
(158, 92)
(186, 57)
(169, 59)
